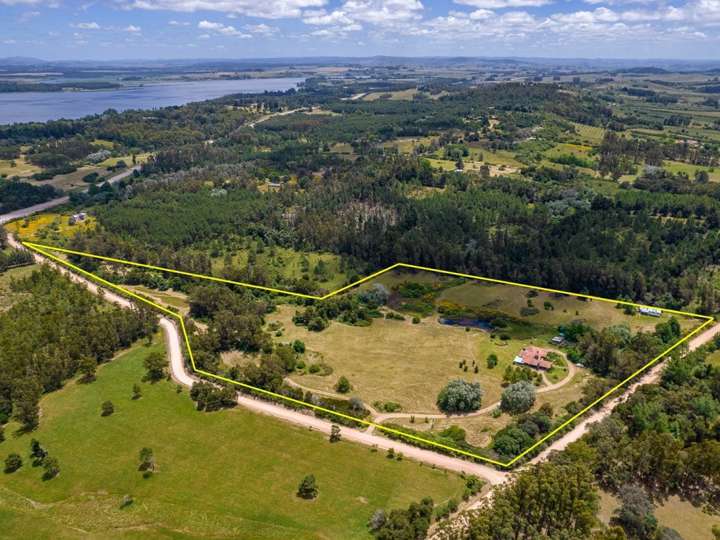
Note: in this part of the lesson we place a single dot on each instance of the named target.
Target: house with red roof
(534, 357)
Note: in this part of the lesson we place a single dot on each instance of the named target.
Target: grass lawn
(49, 228)
(690, 521)
(398, 95)
(590, 135)
(406, 145)
(286, 264)
(229, 474)
(402, 362)
(511, 299)
(169, 298)
(7, 297)
(22, 167)
(690, 170)
(399, 361)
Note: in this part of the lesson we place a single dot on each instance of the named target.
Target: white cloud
(86, 26)
(321, 17)
(269, 9)
(261, 29)
(132, 29)
(178, 23)
(383, 12)
(502, 4)
(225, 30)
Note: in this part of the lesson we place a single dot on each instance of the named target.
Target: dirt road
(181, 374)
(24, 212)
(380, 418)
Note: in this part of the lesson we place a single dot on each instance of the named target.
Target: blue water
(472, 323)
(43, 106)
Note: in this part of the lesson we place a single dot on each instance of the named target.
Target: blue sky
(122, 29)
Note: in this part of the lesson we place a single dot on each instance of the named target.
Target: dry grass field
(510, 299)
(399, 361)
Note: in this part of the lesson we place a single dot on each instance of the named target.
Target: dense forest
(54, 330)
(15, 195)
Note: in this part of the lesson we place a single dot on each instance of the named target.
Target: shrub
(12, 463)
(518, 397)
(107, 408)
(343, 385)
(52, 468)
(308, 488)
(492, 360)
(460, 396)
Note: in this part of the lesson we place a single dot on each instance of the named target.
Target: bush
(518, 397)
(107, 408)
(308, 488)
(343, 385)
(492, 360)
(298, 346)
(460, 396)
(12, 463)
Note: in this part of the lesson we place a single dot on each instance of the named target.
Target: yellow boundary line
(43, 249)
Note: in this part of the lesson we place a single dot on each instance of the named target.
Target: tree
(298, 346)
(37, 452)
(334, 433)
(26, 398)
(107, 408)
(518, 397)
(137, 392)
(155, 366)
(308, 488)
(377, 520)
(343, 385)
(492, 360)
(147, 461)
(410, 524)
(460, 396)
(51, 466)
(12, 463)
(87, 368)
(635, 514)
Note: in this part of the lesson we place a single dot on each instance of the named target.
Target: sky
(159, 29)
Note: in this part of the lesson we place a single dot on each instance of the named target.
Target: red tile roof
(535, 357)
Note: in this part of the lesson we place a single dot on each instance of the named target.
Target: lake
(43, 106)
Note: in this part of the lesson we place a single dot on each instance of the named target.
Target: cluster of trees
(15, 194)
(10, 258)
(622, 155)
(411, 523)
(39, 457)
(53, 330)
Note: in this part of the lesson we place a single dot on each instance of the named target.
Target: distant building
(534, 357)
(100, 155)
(558, 340)
(77, 217)
(651, 311)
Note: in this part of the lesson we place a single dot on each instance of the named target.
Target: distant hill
(21, 61)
